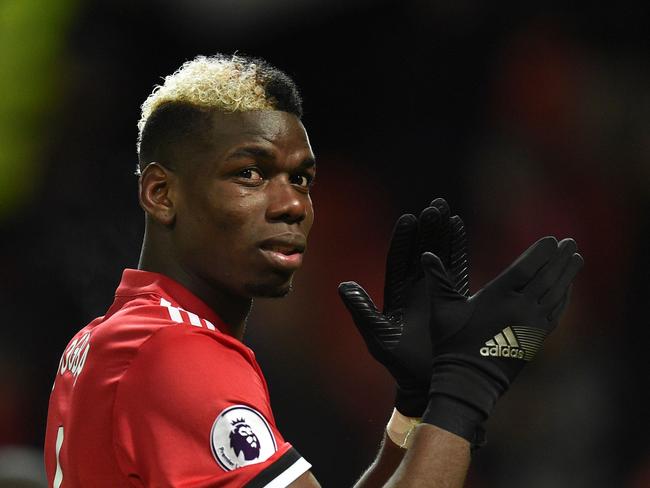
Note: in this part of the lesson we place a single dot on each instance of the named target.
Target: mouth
(284, 251)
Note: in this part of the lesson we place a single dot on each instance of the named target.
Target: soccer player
(161, 391)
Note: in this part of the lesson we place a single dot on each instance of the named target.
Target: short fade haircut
(178, 111)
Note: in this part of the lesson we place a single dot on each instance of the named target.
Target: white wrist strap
(400, 427)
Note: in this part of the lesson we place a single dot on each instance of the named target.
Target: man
(161, 391)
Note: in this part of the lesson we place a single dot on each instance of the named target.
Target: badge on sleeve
(241, 436)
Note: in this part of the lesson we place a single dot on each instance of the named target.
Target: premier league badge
(241, 436)
(244, 440)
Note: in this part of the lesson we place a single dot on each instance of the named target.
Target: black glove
(481, 343)
(399, 337)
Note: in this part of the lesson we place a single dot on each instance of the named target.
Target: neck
(232, 309)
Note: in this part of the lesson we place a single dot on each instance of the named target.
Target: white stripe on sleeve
(289, 475)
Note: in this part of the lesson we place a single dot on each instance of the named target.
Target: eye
(253, 175)
(304, 180)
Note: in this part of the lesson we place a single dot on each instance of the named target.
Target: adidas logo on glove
(515, 342)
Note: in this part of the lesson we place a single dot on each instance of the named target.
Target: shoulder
(185, 344)
(140, 319)
(148, 336)
(191, 363)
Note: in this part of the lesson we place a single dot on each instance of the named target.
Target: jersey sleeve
(191, 410)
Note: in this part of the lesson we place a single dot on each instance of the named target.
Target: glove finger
(357, 300)
(459, 262)
(439, 286)
(429, 227)
(524, 268)
(555, 294)
(458, 241)
(547, 277)
(442, 246)
(378, 333)
(555, 315)
(442, 206)
(400, 253)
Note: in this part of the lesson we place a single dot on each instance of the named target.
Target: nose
(286, 203)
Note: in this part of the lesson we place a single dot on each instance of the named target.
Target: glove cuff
(456, 417)
(460, 379)
(462, 397)
(412, 401)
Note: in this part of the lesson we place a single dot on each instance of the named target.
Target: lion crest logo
(243, 439)
(241, 436)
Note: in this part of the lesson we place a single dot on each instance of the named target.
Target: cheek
(217, 231)
(309, 217)
(231, 220)
(214, 209)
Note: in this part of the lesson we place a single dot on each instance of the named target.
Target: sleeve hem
(290, 475)
(282, 472)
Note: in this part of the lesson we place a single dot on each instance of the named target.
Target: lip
(284, 251)
(290, 262)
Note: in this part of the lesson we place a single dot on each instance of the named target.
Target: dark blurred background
(530, 120)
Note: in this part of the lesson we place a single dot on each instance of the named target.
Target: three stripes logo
(515, 342)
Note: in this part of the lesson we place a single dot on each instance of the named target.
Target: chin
(270, 290)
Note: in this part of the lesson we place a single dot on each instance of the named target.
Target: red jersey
(156, 394)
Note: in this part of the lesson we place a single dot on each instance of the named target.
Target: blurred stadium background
(531, 120)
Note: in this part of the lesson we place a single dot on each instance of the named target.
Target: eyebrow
(260, 152)
(254, 151)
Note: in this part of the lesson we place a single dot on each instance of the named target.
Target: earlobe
(156, 193)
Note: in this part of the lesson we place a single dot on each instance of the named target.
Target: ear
(156, 191)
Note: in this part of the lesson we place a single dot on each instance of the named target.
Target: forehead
(268, 127)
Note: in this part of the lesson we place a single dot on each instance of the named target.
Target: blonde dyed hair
(228, 83)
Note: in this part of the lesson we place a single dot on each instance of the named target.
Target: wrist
(400, 427)
(457, 417)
